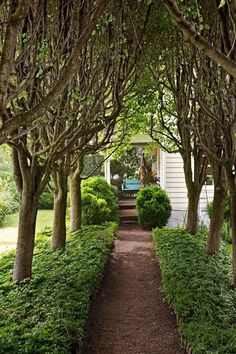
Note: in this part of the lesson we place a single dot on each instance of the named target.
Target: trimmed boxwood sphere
(153, 207)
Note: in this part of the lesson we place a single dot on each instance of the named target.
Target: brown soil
(129, 314)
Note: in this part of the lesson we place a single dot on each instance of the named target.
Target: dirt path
(129, 315)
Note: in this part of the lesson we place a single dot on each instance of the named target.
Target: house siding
(174, 183)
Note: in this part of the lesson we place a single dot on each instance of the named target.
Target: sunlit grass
(8, 234)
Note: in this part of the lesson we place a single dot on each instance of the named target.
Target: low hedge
(47, 314)
(199, 289)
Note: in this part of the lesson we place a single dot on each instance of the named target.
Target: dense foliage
(153, 207)
(47, 315)
(3, 213)
(46, 200)
(199, 289)
(99, 203)
(9, 198)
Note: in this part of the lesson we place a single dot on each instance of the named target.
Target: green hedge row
(199, 289)
(47, 314)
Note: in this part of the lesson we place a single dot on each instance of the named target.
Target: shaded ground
(129, 315)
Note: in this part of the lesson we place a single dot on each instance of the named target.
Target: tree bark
(75, 202)
(214, 235)
(217, 217)
(59, 221)
(192, 216)
(26, 234)
(195, 176)
(29, 182)
(233, 216)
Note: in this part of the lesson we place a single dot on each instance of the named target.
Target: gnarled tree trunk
(217, 217)
(75, 202)
(60, 197)
(231, 181)
(75, 197)
(233, 216)
(195, 169)
(31, 179)
(26, 233)
(192, 216)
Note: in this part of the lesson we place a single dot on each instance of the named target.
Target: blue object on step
(131, 185)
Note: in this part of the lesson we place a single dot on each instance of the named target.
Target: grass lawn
(8, 234)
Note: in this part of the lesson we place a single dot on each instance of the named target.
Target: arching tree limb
(198, 41)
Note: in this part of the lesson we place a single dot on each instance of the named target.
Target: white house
(172, 180)
(169, 168)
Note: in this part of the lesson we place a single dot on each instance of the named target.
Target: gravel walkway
(129, 314)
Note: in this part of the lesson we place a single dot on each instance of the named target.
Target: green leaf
(39, 73)
(222, 3)
(23, 94)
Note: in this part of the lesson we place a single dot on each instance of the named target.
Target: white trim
(107, 170)
(162, 169)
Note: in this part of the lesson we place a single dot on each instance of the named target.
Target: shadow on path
(129, 315)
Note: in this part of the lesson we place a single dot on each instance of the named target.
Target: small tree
(176, 112)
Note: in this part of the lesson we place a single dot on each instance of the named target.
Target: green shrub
(101, 189)
(198, 287)
(46, 200)
(9, 199)
(94, 210)
(99, 202)
(3, 213)
(48, 314)
(153, 207)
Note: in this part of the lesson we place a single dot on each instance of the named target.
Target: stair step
(126, 213)
(126, 202)
(125, 207)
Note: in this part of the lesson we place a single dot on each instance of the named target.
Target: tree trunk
(195, 167)
(217, 217)
(59, 221)
(192, 218)
(214, 235)
(233, 216)
(75, 202)
(26, 235)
